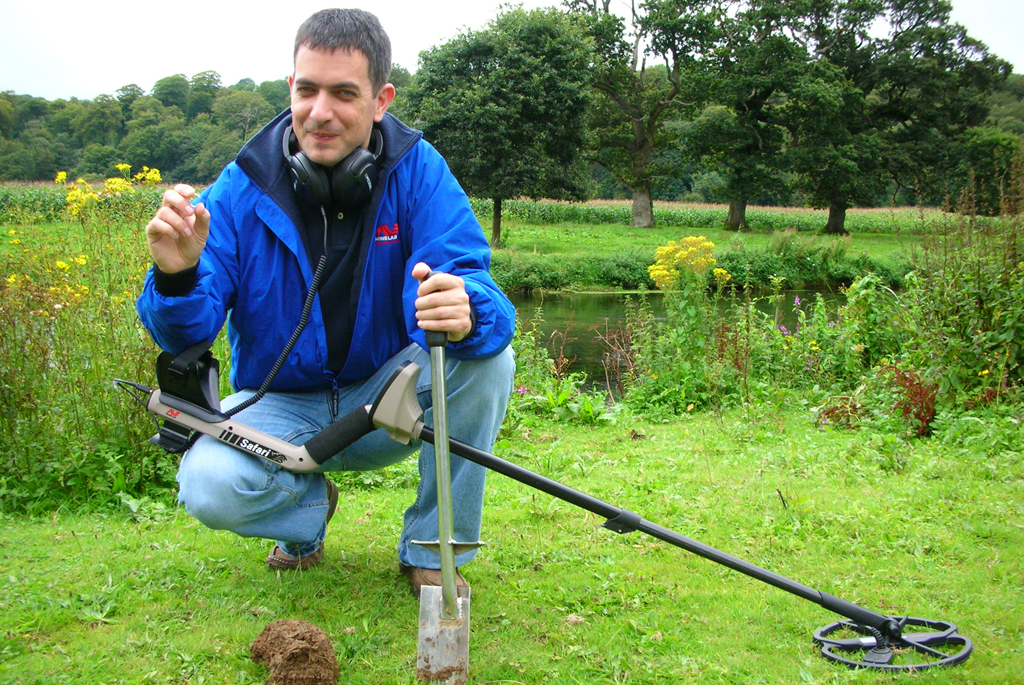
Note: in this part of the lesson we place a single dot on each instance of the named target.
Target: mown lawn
(933, 528)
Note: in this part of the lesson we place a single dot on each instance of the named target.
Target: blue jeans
(227, 489)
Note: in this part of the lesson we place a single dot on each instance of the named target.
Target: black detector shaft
(866, 639)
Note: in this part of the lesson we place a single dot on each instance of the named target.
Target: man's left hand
(442, 303)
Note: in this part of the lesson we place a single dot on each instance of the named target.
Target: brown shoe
(418, 577)
(279, 560)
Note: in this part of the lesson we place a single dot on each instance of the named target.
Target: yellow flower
(692, 254)
(983, 373)
(80, 260)
(11, 233)
(62, 176)
(15, 242)
(116, 186)
(12, 279)
(147, 176)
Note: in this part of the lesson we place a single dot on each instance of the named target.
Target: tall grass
(69, 327)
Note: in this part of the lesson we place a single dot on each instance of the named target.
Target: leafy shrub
(517, 272)
(805, 261)
(966, 304)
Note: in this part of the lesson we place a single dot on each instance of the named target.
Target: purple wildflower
(796, 301)
(521, 390)
(783, 330)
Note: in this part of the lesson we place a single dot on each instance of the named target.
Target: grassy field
(930, 528)
(603, 239)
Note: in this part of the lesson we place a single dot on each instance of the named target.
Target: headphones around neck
(349, 184)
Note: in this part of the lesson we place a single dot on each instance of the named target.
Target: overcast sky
(60, 49)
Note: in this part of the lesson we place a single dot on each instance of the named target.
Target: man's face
(333, 103)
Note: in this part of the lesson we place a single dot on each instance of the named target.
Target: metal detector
(865, 639)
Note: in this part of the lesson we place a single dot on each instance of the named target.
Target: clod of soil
(296, 653)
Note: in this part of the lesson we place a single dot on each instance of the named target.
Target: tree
(100, 121)
(246, 84)
(636, 99)
(740, 136)
(889, 107)
(506, 107)
(172, 91)
(241, 111)
(99, 160)
(1007, 106)
(403, 81)
(985, 170)
(202, 91)
(219, 148)
(276, 93)
(154, 134)
(6, 117)
(126, 95)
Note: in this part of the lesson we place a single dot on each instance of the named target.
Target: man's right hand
(177, 234)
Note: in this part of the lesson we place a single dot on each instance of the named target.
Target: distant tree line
(187, 128)
(755, 102)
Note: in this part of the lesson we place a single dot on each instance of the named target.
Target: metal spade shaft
(437, 340)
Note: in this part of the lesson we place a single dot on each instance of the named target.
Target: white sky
(60, 49)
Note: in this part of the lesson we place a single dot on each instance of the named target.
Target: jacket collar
(262, 161)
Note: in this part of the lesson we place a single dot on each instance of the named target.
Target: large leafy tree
(126, 95)
(506, 107)
(100, 121)
(202, 91)
(740, 135)
(154, 132)
(880, 109)
(242, 112)
(276, 93)
(637, 97)
(172, 91)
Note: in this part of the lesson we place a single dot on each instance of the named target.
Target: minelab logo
(386, 234)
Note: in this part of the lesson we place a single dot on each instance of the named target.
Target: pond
(576, 323)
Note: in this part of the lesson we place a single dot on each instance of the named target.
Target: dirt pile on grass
(296, 653)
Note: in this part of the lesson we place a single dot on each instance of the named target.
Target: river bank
(610, 257)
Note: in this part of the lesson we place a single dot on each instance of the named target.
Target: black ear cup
(349, 185)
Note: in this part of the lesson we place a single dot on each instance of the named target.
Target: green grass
(932, 528)
(604, 239)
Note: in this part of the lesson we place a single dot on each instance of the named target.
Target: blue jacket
(254, 271)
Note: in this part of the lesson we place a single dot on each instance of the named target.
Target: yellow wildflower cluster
(80, 260)
(722, 278)
(80, 197)
(692, 254)
(116, 186)
(147, 177)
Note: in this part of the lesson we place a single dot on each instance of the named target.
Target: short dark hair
(349, 29)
